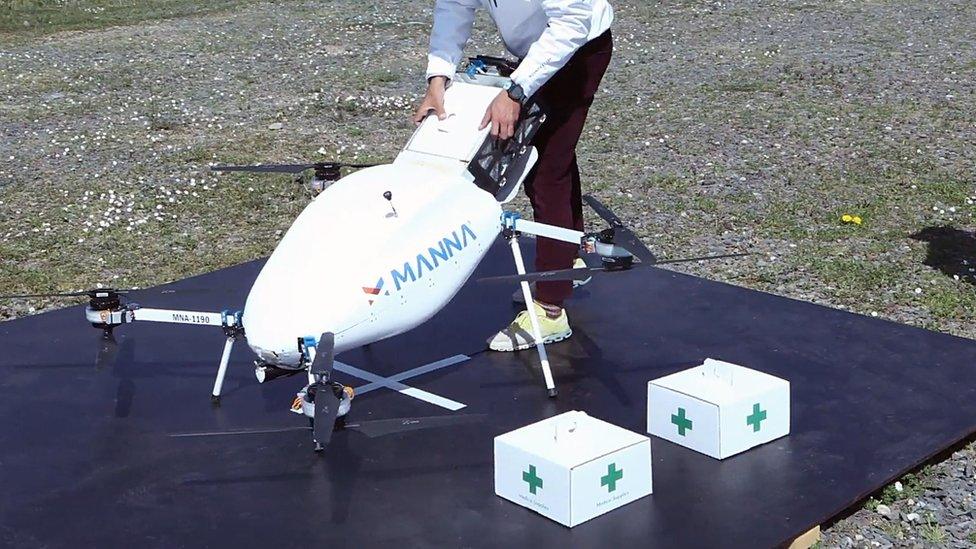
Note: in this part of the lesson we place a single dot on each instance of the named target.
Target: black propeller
(373, 428)
(617, 246)
(622, 235)
(107, 292)
(325, 167)
(98, 292)
(383, 427)
(323, 391)
(581, 274)
(108, 349)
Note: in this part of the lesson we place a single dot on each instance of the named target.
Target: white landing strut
(222, 369)
(529, 302)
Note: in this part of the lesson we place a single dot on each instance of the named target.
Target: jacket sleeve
(452, 29)
(568, 30)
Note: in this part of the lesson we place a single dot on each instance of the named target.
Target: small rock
(276, 126)
(898, 486)
(912, 517)
(883, 510)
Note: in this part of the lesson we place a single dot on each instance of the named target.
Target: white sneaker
(518, 335)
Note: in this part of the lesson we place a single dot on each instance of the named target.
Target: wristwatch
(515, 92)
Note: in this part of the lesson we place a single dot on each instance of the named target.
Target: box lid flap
(720, 382)
(571, 438)
(456, 137)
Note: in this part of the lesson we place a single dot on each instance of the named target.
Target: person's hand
(502, 115)
(433, 100)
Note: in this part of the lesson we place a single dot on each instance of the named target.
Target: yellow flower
(846, 218)
(856, 219)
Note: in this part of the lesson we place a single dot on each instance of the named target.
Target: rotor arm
(548, 231)
(178, 317)
(123, 314)
(602, 243)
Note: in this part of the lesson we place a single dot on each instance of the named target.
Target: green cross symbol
(613, 475)
(756, 418)
(681, 421)
(533, 479)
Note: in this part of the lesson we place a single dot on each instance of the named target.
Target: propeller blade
(326, 411)
(82, 293)
(371, 428)
(169, 291)
(239, 432)
(622, 234)
(549, 276)
(30, 296)
(702, 258)
(108, 349)
(104, 292)
(289, 168)
(265, 168)
(382, 427)
(324, 356)
(581, 274)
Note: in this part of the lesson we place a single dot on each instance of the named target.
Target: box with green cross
(718, 408)
(572, 467)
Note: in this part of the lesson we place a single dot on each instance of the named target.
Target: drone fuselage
(366, 267)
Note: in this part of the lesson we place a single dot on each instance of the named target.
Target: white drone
(422, 224)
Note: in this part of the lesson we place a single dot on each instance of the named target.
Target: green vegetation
(912, 485)
(46, 16)
(933, 531)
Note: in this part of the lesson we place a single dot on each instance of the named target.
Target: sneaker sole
(555, 338)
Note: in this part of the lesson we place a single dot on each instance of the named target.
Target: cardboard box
(572, 467)
(719, 409)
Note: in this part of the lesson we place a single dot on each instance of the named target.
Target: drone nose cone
(299, 293)
(273, 333)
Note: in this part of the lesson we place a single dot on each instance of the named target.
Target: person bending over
(563, 47)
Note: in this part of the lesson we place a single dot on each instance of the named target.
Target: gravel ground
(721, 126)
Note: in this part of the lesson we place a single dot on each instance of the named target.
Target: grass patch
(932, 530)
(912, 486)
(948, 300)
(47, 16)
(746, 87)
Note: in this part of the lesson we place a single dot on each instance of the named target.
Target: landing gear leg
(536, 331)
(222, 371)
(233, 330)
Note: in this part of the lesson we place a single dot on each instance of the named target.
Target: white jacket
(544, 34)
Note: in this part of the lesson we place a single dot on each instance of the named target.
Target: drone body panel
(366, 268)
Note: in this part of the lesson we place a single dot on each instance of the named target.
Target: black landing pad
(89, 458)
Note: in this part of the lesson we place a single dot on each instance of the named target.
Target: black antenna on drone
(389, 197)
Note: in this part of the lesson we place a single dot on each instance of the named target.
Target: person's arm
(453, 20)
(452, 29)
(568, 30)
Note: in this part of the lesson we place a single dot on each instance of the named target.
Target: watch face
(515, 92)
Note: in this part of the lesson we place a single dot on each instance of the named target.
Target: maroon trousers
(554, 186)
